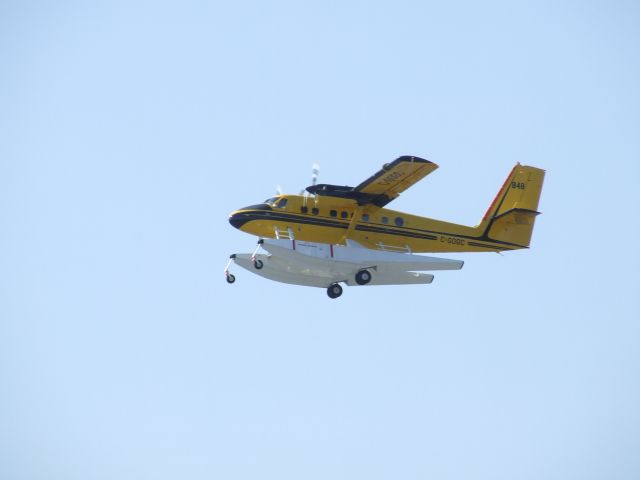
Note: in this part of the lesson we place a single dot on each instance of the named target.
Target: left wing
(385, 185)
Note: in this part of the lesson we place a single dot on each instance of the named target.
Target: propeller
(315, 171)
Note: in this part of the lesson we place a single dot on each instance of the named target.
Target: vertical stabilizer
(511, 216)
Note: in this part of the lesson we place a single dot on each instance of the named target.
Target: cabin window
(304, 209)
(333, 213)
(315, 211)
(385, 220)
(365, 217)
(282, 203)
(399, 221)
(344, 214)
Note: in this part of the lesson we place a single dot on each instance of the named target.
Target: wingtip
(414, 159)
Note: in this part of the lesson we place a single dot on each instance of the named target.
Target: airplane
(347, 235)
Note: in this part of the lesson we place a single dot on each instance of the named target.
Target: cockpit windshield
(276, 202)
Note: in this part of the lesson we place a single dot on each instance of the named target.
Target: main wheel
(334, 290)
(363, 277)
(231, 278)
(258, 264)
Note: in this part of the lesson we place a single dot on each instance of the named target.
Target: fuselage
(331, 220)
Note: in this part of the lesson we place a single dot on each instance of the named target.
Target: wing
(396, 177)
(385, 185)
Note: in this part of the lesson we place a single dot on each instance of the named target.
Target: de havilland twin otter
(347, 235)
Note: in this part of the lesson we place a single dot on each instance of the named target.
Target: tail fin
(511, 216)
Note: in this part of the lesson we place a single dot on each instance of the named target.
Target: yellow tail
(511, 216)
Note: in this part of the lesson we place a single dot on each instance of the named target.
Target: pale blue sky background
(129, 131)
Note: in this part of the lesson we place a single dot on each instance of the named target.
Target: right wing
(383, 186)
(394, 178)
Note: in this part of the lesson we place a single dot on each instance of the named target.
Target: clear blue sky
(130, 130)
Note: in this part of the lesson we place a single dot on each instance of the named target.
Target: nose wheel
(257, 263)
(228, 275)
(334, 290)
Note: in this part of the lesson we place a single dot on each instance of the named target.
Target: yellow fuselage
(331, 220)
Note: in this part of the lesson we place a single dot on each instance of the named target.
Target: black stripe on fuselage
(245, 217)
(490, 247)
(322, 222)
(405, 232)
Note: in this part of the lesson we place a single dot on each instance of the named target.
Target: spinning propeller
(315, 171)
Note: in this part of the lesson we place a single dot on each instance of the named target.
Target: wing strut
(352, 224)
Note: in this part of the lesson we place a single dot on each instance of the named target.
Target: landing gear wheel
(231, 278)
(334, 290)
(258, 264)
(363, 277)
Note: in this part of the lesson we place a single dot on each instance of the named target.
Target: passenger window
(365, 217)
(304, 209)
(315, 211)
(333, 213)
(399, 221)
(385, 220)
(344, 214)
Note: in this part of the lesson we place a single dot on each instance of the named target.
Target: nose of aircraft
(234, 219)
(238, 218)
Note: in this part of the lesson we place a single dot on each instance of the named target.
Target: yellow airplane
(350, 220)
